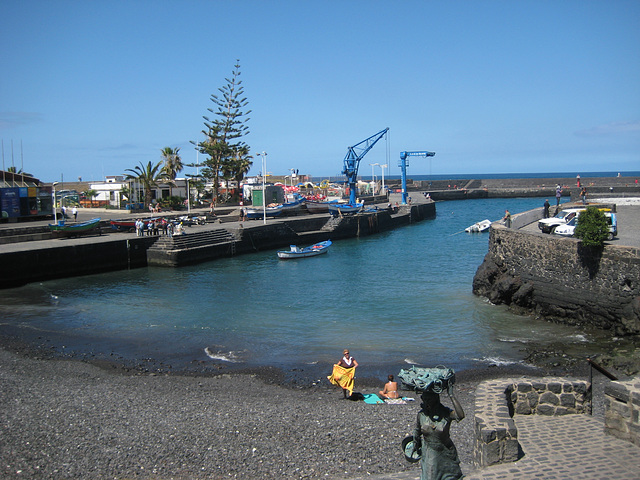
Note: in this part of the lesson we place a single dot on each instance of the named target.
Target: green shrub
(592, 227)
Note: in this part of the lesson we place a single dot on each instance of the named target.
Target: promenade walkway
(568, 447)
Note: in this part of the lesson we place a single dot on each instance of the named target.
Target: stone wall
(558, 279)
(496, 434)
(622, 410)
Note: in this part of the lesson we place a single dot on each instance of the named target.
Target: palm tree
(172, 166)
(149, 176)
(91, 194)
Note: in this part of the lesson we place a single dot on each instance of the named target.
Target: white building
(109, 192)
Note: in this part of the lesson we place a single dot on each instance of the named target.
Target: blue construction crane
(404, 163)
(352, 161)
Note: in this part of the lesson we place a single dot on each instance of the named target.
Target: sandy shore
(71, 419)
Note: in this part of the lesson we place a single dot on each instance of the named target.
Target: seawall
(33, 261)
(560, 280)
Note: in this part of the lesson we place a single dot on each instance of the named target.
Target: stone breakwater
(561, 281)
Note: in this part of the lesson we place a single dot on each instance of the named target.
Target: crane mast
(352, 161)
(403, 167)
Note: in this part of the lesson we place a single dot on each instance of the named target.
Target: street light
(264, 174)
(373, 178)
(382, 167)
(188, 198)
(55, 210)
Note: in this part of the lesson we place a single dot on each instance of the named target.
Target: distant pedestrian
(558, 194)
(583, 195)
(64, 211)
(546, 209)
(75, 213)
(507, 219)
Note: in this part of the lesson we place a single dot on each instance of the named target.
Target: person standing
(558, 194)
(344, 373)
(507, 219)
(75, 213)
(546, 208)
(439, 456)
(583, 195)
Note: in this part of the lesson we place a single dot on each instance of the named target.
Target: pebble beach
(72, 419)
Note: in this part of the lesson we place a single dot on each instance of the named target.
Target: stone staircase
(167, 249)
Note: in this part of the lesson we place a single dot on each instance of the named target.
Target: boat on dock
(296, 252)
(259, 212)
(482, 226)
(338, 209)
(62, 229)
(314, 206)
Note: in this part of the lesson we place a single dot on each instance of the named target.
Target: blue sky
(92, 88)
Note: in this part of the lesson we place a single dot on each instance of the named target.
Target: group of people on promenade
(431, 442)
(158, 226)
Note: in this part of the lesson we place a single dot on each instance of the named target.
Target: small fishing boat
(314, 206)
(338, 209)
(312, 251)
(259, 212)
(482, 226)
(62, 229)
(293, 204)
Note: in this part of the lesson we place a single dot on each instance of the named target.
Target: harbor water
(394, 299)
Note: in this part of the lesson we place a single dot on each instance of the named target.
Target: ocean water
(466, 176)
(398, 298)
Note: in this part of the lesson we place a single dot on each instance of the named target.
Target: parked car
(547, 225)
(568, 228)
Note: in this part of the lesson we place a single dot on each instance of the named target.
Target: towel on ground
(372, 398)
(343, 377)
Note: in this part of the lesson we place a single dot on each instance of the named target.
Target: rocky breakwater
(562, 281)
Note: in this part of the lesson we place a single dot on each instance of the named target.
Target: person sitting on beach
(390, 389)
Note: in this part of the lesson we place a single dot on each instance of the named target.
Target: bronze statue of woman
(439, 457)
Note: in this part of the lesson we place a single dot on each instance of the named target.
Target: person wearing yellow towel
(343, 373)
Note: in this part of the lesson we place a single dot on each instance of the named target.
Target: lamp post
(55, 210)
(382, 167)
(188, 198)
(373, 178)
(264, 174)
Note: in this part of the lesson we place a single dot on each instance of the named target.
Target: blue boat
(61, 229)
(338, 209)
(312, 251)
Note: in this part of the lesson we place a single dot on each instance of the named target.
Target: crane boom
(352, 161)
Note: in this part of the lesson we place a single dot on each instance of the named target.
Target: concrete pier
(43, 259)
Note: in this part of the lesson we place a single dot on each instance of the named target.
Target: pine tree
(224, 131)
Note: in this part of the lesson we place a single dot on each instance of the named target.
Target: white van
(568, 229)
(548, 225)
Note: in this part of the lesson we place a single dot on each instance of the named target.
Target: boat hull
(482, 226)
(312, 251)
(345, 208)
(74, 230)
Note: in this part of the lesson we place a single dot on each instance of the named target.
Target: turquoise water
(396, 298)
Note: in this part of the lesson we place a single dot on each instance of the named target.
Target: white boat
(312, 251)
(258, 212)
(482, 226)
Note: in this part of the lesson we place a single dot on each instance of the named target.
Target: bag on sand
(427, 379)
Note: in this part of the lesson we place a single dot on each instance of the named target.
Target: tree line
(227, 157)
